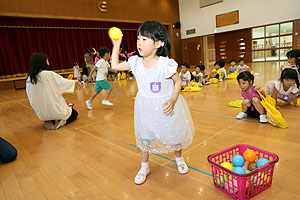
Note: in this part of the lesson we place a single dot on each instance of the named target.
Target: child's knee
(246, 102)
(255, 100)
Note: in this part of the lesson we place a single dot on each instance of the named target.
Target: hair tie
(162, 44)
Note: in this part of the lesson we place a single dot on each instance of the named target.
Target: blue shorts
(102, 85)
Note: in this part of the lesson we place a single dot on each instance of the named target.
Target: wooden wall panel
(296, 36)
(166, 11)
(191, 53)
(230, 41)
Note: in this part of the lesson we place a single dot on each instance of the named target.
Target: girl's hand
(169, 107)
(117, 42)
(257, 88)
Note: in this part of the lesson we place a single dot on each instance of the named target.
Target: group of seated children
(202, 77)
(285, 88)
(199, 76)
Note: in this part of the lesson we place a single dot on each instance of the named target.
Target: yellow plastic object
(298, 102)
(214, 80)
(193, 88)
(123, 76)
(232, 75)
(236, 104)
(70, 77)
(274, 117)
(114, 33)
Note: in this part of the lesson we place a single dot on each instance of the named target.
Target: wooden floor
(94, 157)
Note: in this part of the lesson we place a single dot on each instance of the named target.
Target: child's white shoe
(241, 115)
(59, 124)
(263, 119)
(106, 102)
(181, 165)
(221, 80)
(49, 125)
(88, 104)
(141, 175)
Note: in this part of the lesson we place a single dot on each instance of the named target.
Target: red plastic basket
(242, 186)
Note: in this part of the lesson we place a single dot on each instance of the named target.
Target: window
(272, 42)
(272, 30)
(258, 32)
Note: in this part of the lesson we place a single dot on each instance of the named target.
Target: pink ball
(245, 166)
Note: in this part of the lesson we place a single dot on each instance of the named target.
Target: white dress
(154, 131)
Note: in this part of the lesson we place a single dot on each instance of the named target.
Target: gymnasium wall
(117, 10)
(251, 13)
(133, 11)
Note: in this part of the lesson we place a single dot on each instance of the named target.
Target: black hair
(221, 63)
(37, 63)
(202, 67)
(83, 65)
(75, 63)
(186, 65)
(197, 66)
(157, 32)
(290, 74)
(103, 50)
(295, 54)
(241, 59)
(87, 50)
(232, 60)
(246, 76)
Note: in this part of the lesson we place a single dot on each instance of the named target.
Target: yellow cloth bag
(193, 88)
(232, 75)
(214, 80)
(237, 103)
(274, 117)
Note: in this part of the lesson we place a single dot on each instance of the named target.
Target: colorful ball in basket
(245, 166)
(249, 155)
(252, 166)
(114, 33)
(239, 170)
(262, 161)
(238, 160)
(227, 165)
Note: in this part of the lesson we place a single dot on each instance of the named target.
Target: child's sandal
(181, 165)
(141, 176)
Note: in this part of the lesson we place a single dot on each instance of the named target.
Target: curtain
(64, 41)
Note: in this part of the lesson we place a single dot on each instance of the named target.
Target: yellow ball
(114, 33)
(227, 165)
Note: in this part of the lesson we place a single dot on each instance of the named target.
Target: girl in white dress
(162, 118)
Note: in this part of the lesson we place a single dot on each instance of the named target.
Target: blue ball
(239, 170)
(262, 161)
(238, 160)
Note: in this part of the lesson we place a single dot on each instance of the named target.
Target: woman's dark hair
(103, 50)
(37, 63)
(246, 76)
(186, 65)
(290, 74)
(232, 60)
(295, 54)
(241, 59)
(156, 31)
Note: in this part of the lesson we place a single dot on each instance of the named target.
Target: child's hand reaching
(169, 107)
(257, 88)
(117, 42)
